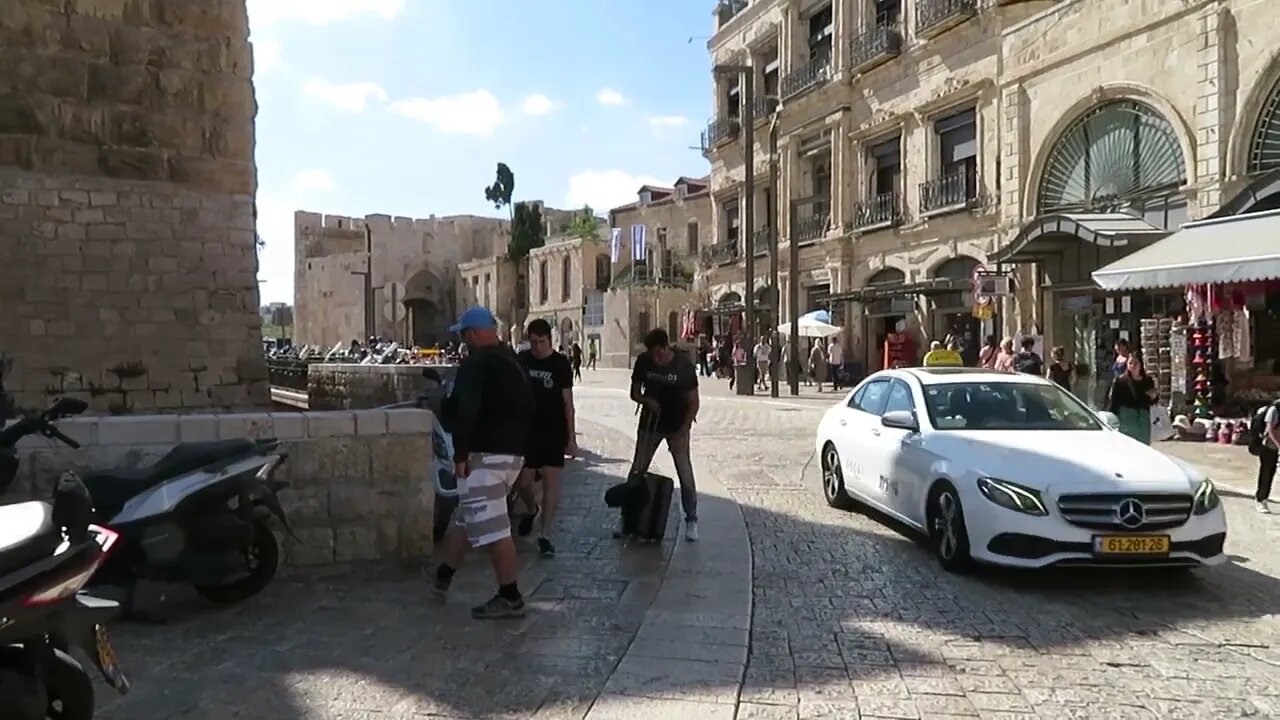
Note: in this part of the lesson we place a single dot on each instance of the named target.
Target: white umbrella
(811, 327)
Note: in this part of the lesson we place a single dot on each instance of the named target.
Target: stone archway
(1264, 142)
(568, 333)
(428, 310)
(887, 276)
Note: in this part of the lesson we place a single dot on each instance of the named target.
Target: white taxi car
(1010, 469)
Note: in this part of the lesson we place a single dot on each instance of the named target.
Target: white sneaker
(691, 531)
(1262, 507)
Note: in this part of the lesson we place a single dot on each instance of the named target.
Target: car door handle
(875, 431)
(843, 423)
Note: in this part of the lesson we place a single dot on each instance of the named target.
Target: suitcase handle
(650, 428)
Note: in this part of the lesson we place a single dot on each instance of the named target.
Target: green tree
(503, 187)
(584, 226)
(527, 231)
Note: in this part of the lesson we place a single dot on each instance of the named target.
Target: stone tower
(127, 221)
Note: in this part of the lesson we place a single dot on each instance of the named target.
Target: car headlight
(1012, 496)
(1206, 498)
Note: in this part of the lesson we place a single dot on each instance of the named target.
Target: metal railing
(878, 211)
(761, 240)
(936, 15)
(878, 43)
(761, 108)
(812, 74)
(722, 253)
(728, 9)
(719, 131)
(956, 190)
(810, 218)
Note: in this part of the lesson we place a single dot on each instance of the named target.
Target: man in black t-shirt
(1028, 361)
(665, 382)
(551, 436)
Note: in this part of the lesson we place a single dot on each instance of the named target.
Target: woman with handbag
(1131, 397)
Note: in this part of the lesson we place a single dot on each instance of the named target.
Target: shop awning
(1050, 235)
(1234, 249)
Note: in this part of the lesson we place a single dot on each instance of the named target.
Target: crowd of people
(822, 360)
(512, 421)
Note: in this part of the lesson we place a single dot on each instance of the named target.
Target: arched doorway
(952, 311)
(726, 316)
(1264, 145)
(568, 335)
(428, 311)
(882, 317)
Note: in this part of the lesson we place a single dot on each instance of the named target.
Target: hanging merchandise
(1178, 358)
(1201, 354)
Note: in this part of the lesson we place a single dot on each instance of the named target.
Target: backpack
(1258, 428)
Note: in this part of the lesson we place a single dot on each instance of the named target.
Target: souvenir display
(1178, 359)
(1203, 357)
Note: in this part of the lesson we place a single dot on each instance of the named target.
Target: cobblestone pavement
(364, 643)
(852, 619)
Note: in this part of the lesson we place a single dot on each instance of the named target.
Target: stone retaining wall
(358, 480)
(332, 386)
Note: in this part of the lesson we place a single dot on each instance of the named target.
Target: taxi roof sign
(943, 358)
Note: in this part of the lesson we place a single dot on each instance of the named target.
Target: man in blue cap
(488, 414)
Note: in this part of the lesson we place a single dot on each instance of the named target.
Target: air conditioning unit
(993, 285)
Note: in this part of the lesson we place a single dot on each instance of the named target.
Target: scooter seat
(27, 535)
(111, 489)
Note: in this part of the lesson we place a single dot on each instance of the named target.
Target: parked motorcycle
(198, 515)
(48, 553)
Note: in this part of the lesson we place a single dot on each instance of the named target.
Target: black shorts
(546, 450)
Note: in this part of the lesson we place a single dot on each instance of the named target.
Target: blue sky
(404, 107)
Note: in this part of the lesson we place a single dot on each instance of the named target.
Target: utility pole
(793, 305)
(775, 311)
(745, 119)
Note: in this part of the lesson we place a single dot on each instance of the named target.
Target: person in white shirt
(835, 360)
(762, 353)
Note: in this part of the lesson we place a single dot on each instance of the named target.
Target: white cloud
(353, 97)
(609, 96)
(668, 121)
(266, 55)
(275, 259)
(313, 181)
(535, 105)
(470, 113)
(604, 190)
(320, 12)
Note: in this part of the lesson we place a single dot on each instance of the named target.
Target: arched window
(1114, 158)
(566, 278)
(1264, 146)
(887, 276)
(543, 291)
(957, 268)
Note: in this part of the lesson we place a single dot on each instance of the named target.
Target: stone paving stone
(621, 707)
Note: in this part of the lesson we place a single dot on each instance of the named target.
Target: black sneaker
(439, 588)
(526, 522)
(499, 608)
(545, 548)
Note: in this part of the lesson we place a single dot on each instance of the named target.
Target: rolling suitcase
(645, 518)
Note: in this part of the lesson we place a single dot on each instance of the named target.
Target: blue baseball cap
(474, 318)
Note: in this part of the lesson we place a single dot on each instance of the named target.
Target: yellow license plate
(1131, 545)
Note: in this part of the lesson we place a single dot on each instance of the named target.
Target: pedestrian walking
(488, 416)
(1060, 370)
(762, 353)
(591, 354)
(987, 355)
(835, 362)
(1266, 446)
(1131, 397)
(739, 361)
(1004, 356)
(552, 433)
(817, 364)
(1027, 360)
(665, 382)
(575, 356)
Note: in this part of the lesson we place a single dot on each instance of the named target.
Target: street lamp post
(775, 310)
(745, 111)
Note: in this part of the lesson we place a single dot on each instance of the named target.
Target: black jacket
(491, 406)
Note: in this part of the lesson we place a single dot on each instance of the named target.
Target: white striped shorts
(482, 508)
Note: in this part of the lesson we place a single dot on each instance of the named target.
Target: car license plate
(1131, 545)
(108, 663)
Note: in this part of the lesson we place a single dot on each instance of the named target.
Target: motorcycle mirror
(66, 406)
(72, 507)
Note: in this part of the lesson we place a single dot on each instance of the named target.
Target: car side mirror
(901, 420)
(1110, 419)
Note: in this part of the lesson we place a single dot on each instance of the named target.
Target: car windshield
(1005, 406)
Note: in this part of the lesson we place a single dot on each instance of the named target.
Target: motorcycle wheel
(262, 558)
(70, 689)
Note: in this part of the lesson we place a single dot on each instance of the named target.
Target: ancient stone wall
(127, 186)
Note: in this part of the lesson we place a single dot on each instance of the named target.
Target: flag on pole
(615, 244)
(638, 249)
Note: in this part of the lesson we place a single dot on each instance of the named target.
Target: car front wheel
(833, 480)
(947, 531)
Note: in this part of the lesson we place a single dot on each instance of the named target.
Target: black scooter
(48, 553)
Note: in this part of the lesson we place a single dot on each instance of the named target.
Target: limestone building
(567, 280)
(417, 276)
(127, 188)
(657, 290)
(919, 141)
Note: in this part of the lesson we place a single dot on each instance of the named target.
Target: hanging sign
(979, 299)
(984, 312)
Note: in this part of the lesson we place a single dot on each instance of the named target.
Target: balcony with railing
(810, 218)
(762, 107)
(934, 17)
(725, 252)
(877, 212)
(761, 240)
(873, 46)
(644, 274)
(814, 73)
(951, 192)
(723, 129)
(727, 10)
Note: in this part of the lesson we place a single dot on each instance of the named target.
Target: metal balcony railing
(958, 190)
(810, 218)
(878, 211)
(874, 45)
(722, 253)
(761, 108)
(935, 16)
(761, 240)
(728, 9)
(810, 75)
(721, 130)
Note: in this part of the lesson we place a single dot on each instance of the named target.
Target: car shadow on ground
(843, 612)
